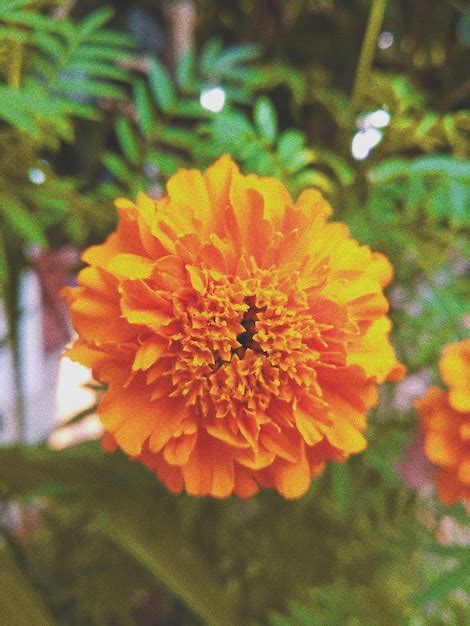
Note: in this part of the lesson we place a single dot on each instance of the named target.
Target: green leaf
(97, 68)
(265, 117)
(13, 113)
(21, 221)
(79, 109)
(238, 94)
(437, 165)
(234, 55)
(339, 166)
(300, 159)
(276, 619)
(311, 178)
(109, 190)
(167, 164)
(50, 44)
(34, 20)
(161, 85)
(457, 578)
(178, 137)
(117, 167)
(191, 109)
(127, 140)
(111, 38)
(14, 34)
(342, 488)
(290, 142)
(20, 603)
(209, 56)
(459, 194)
(389, 170)
(259, 161)
(185, 71)
(441, 165)
(44, 66)
(12, 5)
(152, 538)
(94, 21)
(143, 106)
(96, 52)
(90, 87)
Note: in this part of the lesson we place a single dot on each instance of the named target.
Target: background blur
(367, 100)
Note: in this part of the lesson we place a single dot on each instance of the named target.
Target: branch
(367, 51)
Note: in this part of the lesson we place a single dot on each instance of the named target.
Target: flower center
(248, 321)
(242, 342)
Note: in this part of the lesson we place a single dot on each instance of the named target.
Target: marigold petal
(98, 317)
(143, 306)
(284, 445)
(188, 189)
(313, 204)
(178, 449)
(455, 364)
(133, 432)
(167, 416)
(459, 399)
(343, 435)
(308, 427)
(151, 350)
(196, 278)
(209, 471)
(170, 475)
(130, 266)
(463, 472)
(126, 238)
(441, 449)
(218, 178)
(291, 479)
(108, 443)
(372, 351)
(254, 459)
(245, 486)
(447, 487)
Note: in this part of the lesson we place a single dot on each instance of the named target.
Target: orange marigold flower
(445, 422)
(241, 336)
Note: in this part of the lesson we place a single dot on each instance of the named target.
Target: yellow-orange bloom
(445, 422)
(241, 336)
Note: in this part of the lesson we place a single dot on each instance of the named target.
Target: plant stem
(366, 57)
(14, 73)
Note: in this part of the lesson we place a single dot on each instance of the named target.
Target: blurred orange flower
(445, 422)
(241, 336)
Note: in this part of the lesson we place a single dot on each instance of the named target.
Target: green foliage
(62, 553)
(457, 577)
(172, 129)
(217, 556)
(361, 547)
(413, 125)
(142, 524)
(16, 590)
(69, 66)
(37, 205)
(55, 71)
(432, 191)
(259, 148)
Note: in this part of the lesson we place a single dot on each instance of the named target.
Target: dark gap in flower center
(248, 322)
